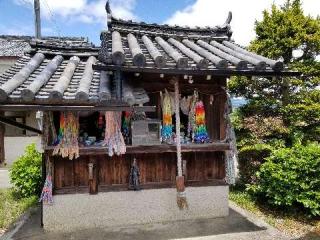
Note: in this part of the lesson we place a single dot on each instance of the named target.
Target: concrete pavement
(238, 225)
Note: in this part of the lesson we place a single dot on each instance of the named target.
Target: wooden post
(177, 112)
(43, 169)
(2, 152)
(93, 176)
(104, 87)
(181, 195)
(118, 82)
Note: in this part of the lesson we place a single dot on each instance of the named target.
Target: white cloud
(83, 10)
(245, 12)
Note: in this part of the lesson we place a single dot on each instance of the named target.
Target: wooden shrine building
(136, 61)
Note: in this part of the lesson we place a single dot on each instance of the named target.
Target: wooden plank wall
(156, 171)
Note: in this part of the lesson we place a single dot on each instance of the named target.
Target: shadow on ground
(234, 223)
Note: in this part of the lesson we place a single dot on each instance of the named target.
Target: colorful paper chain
(201, 134)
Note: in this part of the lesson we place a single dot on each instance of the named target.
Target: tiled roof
(13, 47)
(16, 46)
(73, 71)
(149, 46)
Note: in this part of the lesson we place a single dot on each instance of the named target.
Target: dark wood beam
(210, 147)
(19, 125)
(213, 72)
(15, 107)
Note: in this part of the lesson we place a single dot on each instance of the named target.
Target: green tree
(295, 101)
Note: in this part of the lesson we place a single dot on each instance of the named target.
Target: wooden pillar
(44, 172)
(223, 101)
(118, 82)
(2, 129)
(93, 175)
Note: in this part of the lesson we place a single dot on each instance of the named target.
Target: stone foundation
(79, 211)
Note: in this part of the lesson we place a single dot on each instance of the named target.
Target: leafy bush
(250, 159)
(290, 178)
(25, 173)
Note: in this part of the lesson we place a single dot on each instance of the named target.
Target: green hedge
(290, 178)
(25, 173)
(250, 159)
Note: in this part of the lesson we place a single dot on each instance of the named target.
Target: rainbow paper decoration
(200, 131)
(46, 195)
(126, 117)
(61, 129)
(166, 131)
(67, 140)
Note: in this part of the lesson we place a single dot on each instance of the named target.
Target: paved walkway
(4, 178)
(237, 225)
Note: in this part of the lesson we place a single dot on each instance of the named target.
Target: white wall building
(11, 48)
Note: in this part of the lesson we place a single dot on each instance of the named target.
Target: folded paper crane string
(67, 140)
(46, 195)
(113, 136)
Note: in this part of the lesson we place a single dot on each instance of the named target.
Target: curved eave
(200, 72)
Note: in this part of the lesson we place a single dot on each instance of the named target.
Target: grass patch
(12, 206)
(295, 224)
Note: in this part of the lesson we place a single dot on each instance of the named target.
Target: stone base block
(78, 211)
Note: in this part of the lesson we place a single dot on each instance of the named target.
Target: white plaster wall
(30, 120)
(80, 211)
(14, 147)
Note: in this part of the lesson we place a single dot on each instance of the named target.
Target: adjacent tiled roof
(16, 46)
(139, 45)
(60, 72)
(11, 46)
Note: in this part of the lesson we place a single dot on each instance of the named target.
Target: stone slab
(80, 211)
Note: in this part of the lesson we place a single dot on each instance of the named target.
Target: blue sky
(17, 18)
(87, 17)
